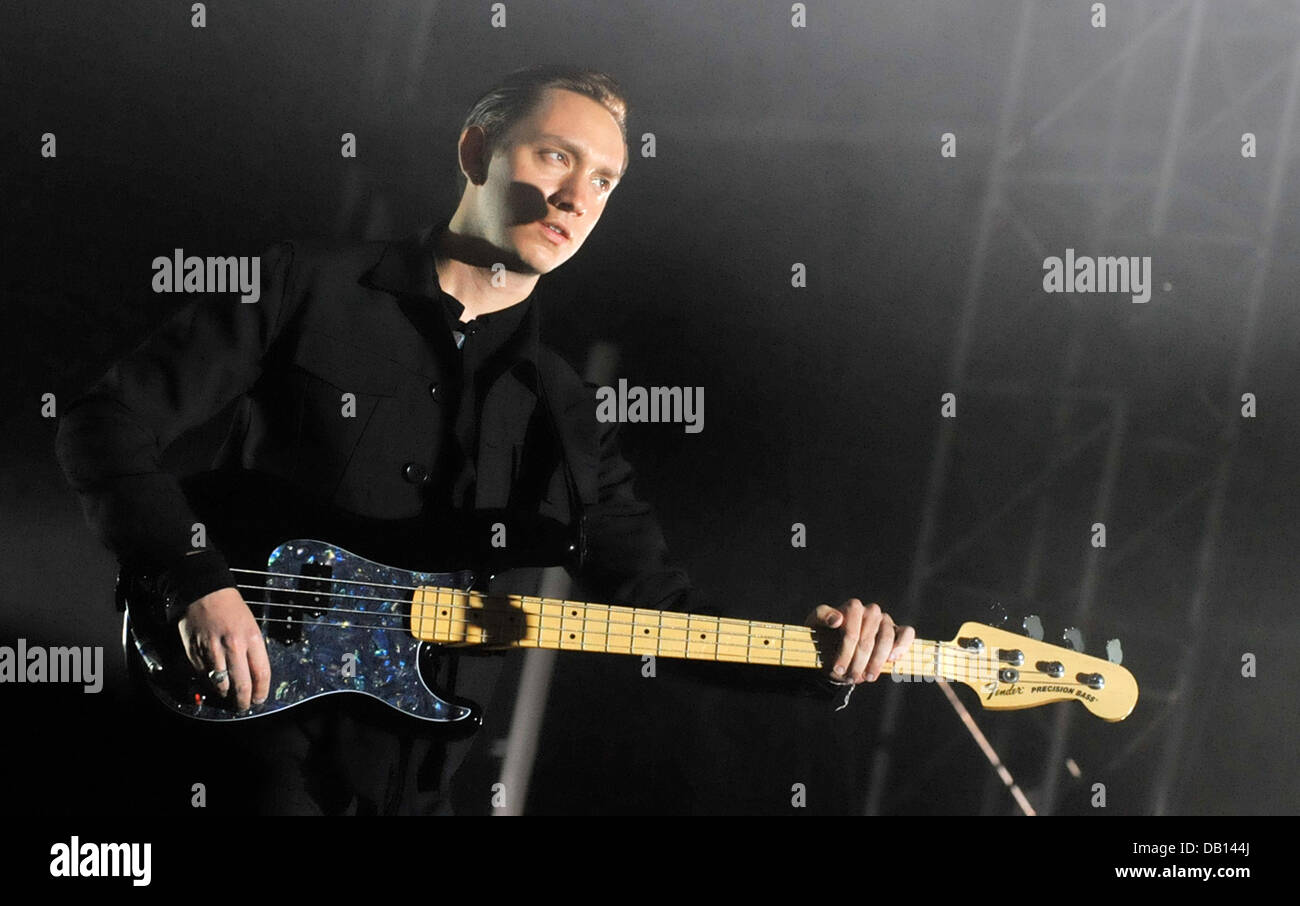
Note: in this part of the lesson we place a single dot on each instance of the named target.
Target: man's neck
(464, 266)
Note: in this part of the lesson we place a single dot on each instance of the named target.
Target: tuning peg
(996, 614)
(1114, 652)
(1073, 639)
(1033, 627)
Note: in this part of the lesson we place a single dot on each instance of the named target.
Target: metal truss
(1148, 132)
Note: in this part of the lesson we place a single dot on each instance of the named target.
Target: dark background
(774, 145)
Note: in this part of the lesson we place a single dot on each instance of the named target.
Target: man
(459, 412)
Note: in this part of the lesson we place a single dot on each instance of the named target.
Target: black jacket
(360, 319)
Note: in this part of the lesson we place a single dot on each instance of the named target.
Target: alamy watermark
(679, 405)
(75, 859)
(1098, 275)
(947, 665)
(36, 664)
(230, 274)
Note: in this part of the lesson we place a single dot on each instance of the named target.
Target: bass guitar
(335, 621)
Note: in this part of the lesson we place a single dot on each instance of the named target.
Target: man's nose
(573, 197)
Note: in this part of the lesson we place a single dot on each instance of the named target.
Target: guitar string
(1075, 684)
(542, 602)
(750, 641)
(719, 632)
(631, 649)
(262, 572)
(802, 666)
(632, 638)
(785, 628)
(406, 618)
(524, 599)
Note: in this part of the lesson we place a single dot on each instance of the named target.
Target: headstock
(1010, 672)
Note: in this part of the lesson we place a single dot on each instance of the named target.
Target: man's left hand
(868, 638)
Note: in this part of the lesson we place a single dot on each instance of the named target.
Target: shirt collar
(405, 270)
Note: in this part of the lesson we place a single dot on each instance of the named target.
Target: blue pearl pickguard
(348, 631)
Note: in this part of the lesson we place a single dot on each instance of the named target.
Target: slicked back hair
(516, 96)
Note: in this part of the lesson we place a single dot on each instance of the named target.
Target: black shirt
(481, 342)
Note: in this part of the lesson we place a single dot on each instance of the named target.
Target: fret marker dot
(764, 641)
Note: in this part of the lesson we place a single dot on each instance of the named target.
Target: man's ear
(474, 154)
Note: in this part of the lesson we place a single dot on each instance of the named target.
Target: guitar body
(356, 640)
(334, 621)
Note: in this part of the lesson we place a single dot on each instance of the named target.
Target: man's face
(558, 167)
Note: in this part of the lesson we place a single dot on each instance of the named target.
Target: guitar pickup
(288, 609)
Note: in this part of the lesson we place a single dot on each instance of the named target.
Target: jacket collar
(405, 270)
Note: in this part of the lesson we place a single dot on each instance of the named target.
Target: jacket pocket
(350, 368)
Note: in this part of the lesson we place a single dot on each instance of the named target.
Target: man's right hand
(220, 633)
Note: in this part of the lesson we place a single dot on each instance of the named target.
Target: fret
(674, 634)
(417, 602)
(565, 634)
(622, 629)
(698, 630)
(595, 639)
(543, 641)
(539, 617)
(473, 618)
(736, 647)
(765, 644)
(557, 610)
(644, 640)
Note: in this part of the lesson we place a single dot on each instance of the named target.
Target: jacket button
(433, 390)
(415, 473)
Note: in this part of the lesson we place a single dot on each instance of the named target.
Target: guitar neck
(457, 618)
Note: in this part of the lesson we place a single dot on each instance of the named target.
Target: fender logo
(1044, 690)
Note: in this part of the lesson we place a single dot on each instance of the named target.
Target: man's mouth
(555, 232)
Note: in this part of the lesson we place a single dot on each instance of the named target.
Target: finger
(241, 689)
(884, 645)
(204, 653)
(260, 666)
(825, 615)
(871, 615)
(208, 659)
(852, 612)
(904, 636)
(196, 652)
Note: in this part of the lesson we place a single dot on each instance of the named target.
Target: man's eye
(559, 155)
(604, 184)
